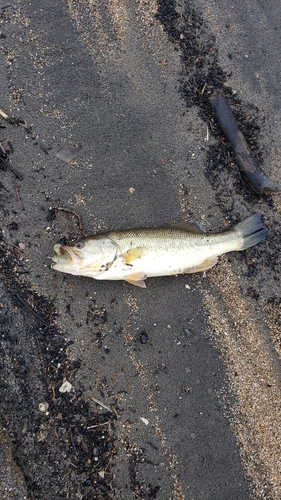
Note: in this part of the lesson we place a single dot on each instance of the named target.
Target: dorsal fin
(187, 226)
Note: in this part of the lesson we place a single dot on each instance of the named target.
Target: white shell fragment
(44, 407)
(65, 387)
(144, 420)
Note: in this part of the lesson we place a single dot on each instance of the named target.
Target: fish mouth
(62, 255)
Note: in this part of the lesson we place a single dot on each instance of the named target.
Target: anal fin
(206, 264)
(136, 279)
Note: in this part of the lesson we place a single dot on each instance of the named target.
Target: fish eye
(80, 245)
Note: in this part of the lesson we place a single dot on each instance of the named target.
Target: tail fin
(252, 230)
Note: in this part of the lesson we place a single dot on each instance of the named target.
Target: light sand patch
(253, 370)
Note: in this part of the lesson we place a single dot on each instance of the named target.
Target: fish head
(86, 257)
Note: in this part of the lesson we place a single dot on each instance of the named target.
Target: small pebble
(65, 387)
(13, 226)
(143, 338)
(44, 407)
(144, 420)
(187, 333)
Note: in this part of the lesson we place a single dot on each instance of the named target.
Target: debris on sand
(248, 164)
(67, 154)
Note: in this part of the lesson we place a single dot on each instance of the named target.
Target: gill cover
(87, 257)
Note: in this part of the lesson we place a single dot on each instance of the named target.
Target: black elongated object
(248, 164)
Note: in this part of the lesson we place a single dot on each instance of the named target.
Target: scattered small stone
(13, 226)
(44, 407)
(144, 420)
(143, 338)
(65, 387)
(187, 333)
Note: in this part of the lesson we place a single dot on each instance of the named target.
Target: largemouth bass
(136, 254)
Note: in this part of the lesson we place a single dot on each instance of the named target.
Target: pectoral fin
(136, 279)
(206, 264)
(133, 254)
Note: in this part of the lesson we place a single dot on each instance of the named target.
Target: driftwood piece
(248, 164)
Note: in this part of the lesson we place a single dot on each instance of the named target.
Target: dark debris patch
(140, 490)
(201, 76)
(66, 452)
(97, 317)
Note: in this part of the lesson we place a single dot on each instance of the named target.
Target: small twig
(54, 393)
(18, 248)
(44, 149)
(4, 187)
(14, 120)
(6, 117)
(203, 90)
(26, 306)
(19, 176)
(102, 404)
(72, 442)
(116, 414)
(108, 463)
(97, 425)
(17, 193)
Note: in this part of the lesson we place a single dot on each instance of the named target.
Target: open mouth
(62, 255)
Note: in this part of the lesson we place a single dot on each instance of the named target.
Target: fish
(136, 254)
